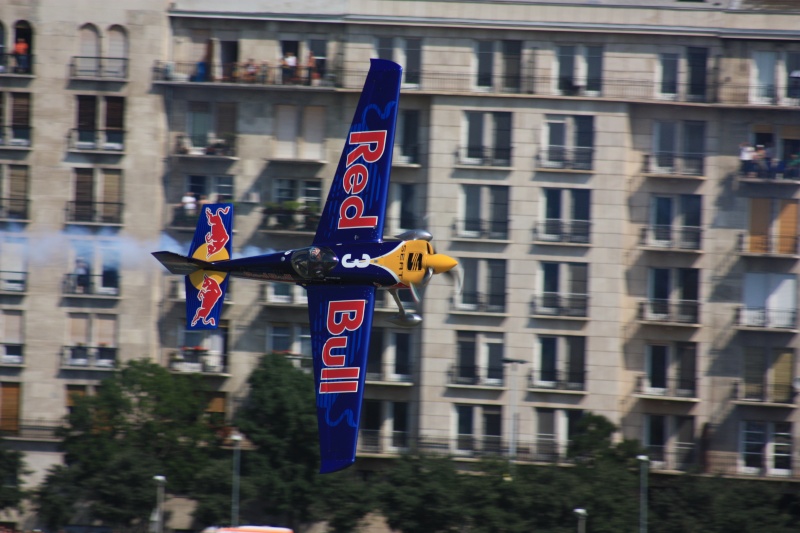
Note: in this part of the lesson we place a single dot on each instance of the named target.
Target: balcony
(36, 429)
(98, 68)
(766, 319)
(666, 388)
(374, 441)
(12, 354)
(14, 209)
(777, 174)
(671, 238)
(198, 360)
(105, 284)
(557, 305)
(681, 457)
(475, 376)
(557, 231)
(96, 141)
(407, 155)
(759, 392)
(94, 213)
(246, 75)
(666, 312)
(557, 380)
(17, 137)
(778, 246)
(81, 357)
(476, 302)
(13, 282)
(674, 165)
(565, 158)
(475, 228)
(485, 156)
(290, 218)
(14, 65)
(206, 146)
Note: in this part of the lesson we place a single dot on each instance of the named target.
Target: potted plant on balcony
(312, 216)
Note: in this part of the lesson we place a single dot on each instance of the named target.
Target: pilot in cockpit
(314, 262)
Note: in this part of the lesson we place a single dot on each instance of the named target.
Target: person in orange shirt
(21, 55)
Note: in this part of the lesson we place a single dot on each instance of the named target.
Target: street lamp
(161, 481)
(512, 449)
(237, 448)
(644, 464)
(582, 514)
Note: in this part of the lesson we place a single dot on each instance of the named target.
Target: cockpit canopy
(314, 262)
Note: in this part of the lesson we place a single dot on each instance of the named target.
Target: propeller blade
(414, 292)
(457, 277)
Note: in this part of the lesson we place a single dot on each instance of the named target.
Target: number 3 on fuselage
(341, 315)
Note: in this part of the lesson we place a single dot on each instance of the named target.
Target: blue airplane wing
(356, 204)
(341, 321)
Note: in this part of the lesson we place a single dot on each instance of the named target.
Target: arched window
(116, 63)
(22, 47)
(87, 64)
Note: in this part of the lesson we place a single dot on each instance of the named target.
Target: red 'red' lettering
(328, 387)
(350, 372)
(357, 220)
(330, 359)
(365, 140)
(350, 314)
(355, 179)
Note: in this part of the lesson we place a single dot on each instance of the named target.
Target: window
(407, 150)
(97, 196)
(484, 287)
(288, 293)
(554, 430)
(768, 374)
(563, 289)
(487, 139)
(770, 300)
(400, 424)
(91, 135)
(668, 78)
(87, 64)
(216, 408)
(300, 132)
(507, 71)
(465, 434)
(566, 215)
(484, 212)
(405, 51)
(479, 359)
(492, 430)
(116, 64)
(560, 362)
(210, 128)
(579, 69)
(793, 75)
(289, 339)
(91, 340)
(74, 394)
(212, 189)
(14, 187)
(698, 73)
(319, 49)
(763, 77)
(10, 407)
(404, 208)
(671, 369)
(471, 437)
(11, 336)
(675, 222)
(484, 52)
(766, 448)
(13, 263)
(772, 226)
(568, 142)
(669, 440)
(96, 270)
(202, 350)
(674, 295)
(15, 119)
(371, 422)
(667, 137)
(389, 356)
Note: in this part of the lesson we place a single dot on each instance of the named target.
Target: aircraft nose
(440, 263)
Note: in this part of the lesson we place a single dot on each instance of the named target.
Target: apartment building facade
(581, 161)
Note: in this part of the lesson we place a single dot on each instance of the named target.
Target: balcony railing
(671, 237)
(777, 172)
(761, 391)
(89, 357)
(479, 302)
(16, 136)
(562, 305)
(498, 156)
(78, 212)
(14, 209)
(284, 219)
(196, 359)
(243, 73)
(205, 145)
(105, 284)
(376, 373)
(12, 353)
(768, 318)
(113, 68)
(565, 157)
(475, 375)
(557, 379)
(675, 164)
(13, 281)
(112, 141)
(376, 441)
(475, 228)
(675, 312)
(16, 64)
(31, 428)
(768, 244)
(563, 231)
(666, 387)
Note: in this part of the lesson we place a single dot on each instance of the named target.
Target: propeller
(433, 264)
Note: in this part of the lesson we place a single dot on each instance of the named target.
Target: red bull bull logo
(209, 294)
(217, 236)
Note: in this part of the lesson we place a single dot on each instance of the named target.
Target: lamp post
(161, 481)
(644, 464)
(512, 448)
(237, 449)
(582, 514)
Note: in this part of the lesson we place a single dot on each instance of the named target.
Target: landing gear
(404, 319)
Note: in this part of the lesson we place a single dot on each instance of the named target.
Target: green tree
(144, 421)
(12, 467)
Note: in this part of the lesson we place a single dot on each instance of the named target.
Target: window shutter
(313, 132)
(79, 328)
(9, 407)
(18, 183)
(760, 214)
(112, 185)
(12, 326)
(75, 393)
(87, 113)
(216, 403)
(787, 227)
(782, 376)
(115, 113)
(20, 109)
(106, 327)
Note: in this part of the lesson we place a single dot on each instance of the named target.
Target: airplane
(346, 263)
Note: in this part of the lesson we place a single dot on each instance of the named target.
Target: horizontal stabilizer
(180, 264)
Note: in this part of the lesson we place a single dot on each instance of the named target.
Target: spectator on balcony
(249, 70)
(761, 162)
(793, 167)
(288, 67)
(21, 56)
(81, 276)
(746, 153)
(189, 203)
(311, 68)
(263, 73)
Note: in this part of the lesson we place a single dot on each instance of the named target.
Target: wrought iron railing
(491, 376)
(17, 64)
(565, 157)
(115, 68)
(673, 311)
(105, 284)
(651, 385)
(476, 228)
(671, 237)
(563, 231)
(766, 317)
(476, 301)
(560, 304)
(763, 244)
(551, 378)
(96, 140)
(497, 156)
(89, 357)
(94, 212)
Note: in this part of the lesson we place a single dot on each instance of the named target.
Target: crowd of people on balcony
(759, 162)
(290, 70)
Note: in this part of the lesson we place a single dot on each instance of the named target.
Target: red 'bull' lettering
(217, 236)
(209, 295)
(343, 315)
